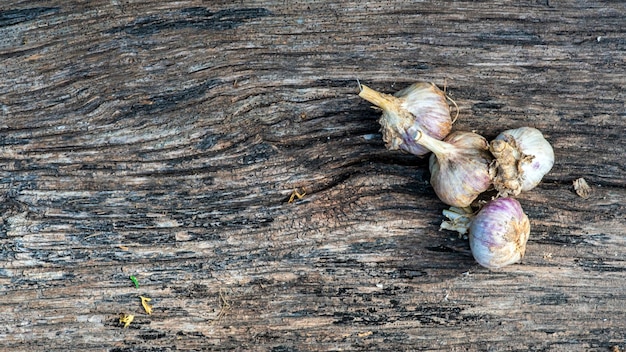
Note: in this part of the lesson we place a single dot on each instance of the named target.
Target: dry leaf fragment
(126, 319)
(144, 302)
(295, 194)
(582, 188)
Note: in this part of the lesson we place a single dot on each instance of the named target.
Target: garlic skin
(522, 157)
(498, 233)
(459, 166)
(421, 106)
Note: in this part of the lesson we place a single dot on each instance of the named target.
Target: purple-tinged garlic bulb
(459, 166)
(419, 107)
(522, 158)
(498, 232)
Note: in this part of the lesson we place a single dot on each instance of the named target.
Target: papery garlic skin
(459, 166)
(421, 106)
(498, 233)
(522, 157)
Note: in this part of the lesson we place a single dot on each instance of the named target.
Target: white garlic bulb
(459, 166)
(421, 106)
(522, 157)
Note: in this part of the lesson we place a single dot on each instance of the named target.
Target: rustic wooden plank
(163, 140)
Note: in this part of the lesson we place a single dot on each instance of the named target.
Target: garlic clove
(498, 233)
(522, 157)
(421, 106)
(459, 166)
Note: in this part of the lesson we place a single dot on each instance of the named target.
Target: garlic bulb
(498, 233)
(459, 166)
(523, 157)
(421, 106)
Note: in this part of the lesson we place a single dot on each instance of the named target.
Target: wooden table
(163, 140)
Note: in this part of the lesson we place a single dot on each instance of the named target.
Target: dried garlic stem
(441, 149)
(382, 100)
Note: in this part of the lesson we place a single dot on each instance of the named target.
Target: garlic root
(505, 169)
(459, 219)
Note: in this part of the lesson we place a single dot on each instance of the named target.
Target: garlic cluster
(463, 165)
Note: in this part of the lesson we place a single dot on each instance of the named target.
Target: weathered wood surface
(163, 140)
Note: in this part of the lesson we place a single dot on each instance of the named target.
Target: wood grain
(164, 139)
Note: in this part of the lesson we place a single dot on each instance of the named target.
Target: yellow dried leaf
(126, 319)
(146, 306)
(295, 194)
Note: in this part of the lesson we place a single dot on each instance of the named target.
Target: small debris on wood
(126, 319)
(134, 280)
(295, 194)
(144, 302)
(364, 334)
(582, 188)
(225, 306)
